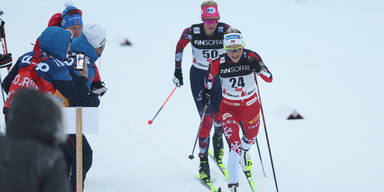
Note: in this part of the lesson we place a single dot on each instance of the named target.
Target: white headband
(233, 39)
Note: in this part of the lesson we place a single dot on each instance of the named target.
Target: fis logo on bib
(235, 69)
(208, 42)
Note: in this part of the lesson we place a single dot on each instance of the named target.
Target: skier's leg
(250, 120)
(218, 149)
(197, 85)
(231, 131)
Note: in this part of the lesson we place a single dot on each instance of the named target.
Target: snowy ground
(326, 57)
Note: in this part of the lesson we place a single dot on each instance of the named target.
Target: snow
(326, 58)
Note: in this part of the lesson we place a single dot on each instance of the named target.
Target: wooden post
(79, 150)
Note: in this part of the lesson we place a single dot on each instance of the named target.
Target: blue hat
(55, 41)
(71, 16)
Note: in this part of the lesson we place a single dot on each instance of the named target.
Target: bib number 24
(237, 82)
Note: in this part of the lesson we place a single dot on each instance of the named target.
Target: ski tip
(149, 122)
(219, 190)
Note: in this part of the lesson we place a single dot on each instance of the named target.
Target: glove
(98, 88)
(6, 60)
(206, 96)
(255, 64)
(178, 77)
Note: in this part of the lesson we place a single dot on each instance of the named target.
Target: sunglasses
(211, 21)
(74, 11)
(233, 50)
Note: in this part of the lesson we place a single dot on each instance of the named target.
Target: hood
(81, 45)
(35, 115)
(55, 40)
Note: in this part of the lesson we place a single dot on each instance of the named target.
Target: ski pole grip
(2, 31)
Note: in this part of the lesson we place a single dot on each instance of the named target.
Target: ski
(249, 177)
(220, 164)
(207, 184)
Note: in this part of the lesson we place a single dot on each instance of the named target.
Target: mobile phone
(80, 61)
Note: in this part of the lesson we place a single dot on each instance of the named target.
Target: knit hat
(35, 115)
(95, 34)
(71, 16)
(55, 41)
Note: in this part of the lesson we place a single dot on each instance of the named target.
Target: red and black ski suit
(239, 108)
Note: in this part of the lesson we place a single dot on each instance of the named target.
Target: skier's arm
(181, 44)
(208, 81)
(260, 67)
(213, 70)
(184, 40)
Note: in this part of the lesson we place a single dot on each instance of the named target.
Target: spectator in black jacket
(29, 157)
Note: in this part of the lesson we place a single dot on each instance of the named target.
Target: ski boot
(233, 187)
(204, 169)
(245, 162)
(218, 149)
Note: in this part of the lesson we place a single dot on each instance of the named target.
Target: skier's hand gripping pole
(151, 121)
(266, 133)
(198, 132)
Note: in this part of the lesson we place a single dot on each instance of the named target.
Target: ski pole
(151, 121)
(4, 41)
(198, 132)
(5, 51)
(261, 160)
(266, 133)
(2, 35)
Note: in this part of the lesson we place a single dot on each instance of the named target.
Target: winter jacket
(29, 165)
(29, 157)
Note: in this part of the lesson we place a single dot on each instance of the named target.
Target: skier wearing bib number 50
(240, 108)
(207, 44)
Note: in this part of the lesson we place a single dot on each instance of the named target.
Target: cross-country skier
(207, 44)
(240, 106)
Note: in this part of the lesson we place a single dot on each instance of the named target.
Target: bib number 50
(210, 54)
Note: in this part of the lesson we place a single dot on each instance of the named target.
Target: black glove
(6, 60)
(255, 63)
(98, 88)
(178, 77)
(206, 96)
